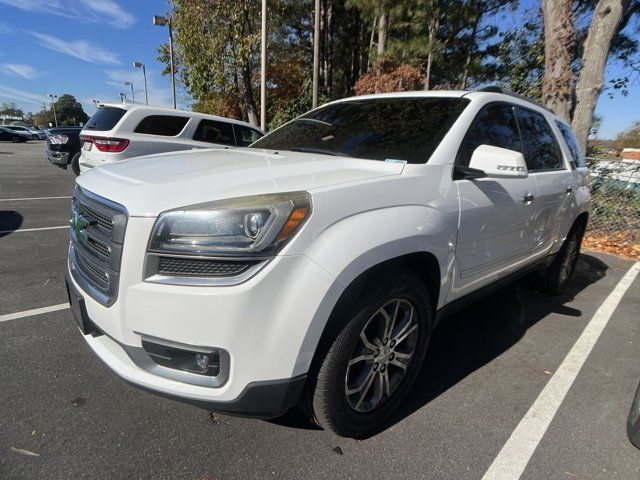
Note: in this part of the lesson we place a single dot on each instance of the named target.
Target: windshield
(408, 128)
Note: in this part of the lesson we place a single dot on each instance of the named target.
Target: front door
(496, 216)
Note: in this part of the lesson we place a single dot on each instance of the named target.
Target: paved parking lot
(63, 414)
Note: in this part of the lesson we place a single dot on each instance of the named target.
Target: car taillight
(112, 145)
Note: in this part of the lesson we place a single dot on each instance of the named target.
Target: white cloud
(19, 70)
(21, 96)
(86, 11)
(79, 48)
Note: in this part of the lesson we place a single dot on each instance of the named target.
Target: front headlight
(256, 225)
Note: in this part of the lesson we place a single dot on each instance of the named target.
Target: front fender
(355, 244)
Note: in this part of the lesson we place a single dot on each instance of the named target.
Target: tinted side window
(496, 126)
(245, 135)
(542, 151)
(165, 125)
(212, 131)
(572, 143)
(105, 118)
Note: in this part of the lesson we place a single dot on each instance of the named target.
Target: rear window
(245, 135)
(164, 125)
(105, 118)
(542, 151)
(407, 128)
(572, 143)
(212, 131)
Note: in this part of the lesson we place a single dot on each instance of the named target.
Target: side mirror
(498, 162)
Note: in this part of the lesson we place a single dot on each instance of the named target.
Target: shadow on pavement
(10, 221)
(473, 337)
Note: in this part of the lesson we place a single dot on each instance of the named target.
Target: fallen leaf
(22, 451)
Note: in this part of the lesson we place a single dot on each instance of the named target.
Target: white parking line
(35, 311)
(31, 198)
(33, 229)
(516, 453)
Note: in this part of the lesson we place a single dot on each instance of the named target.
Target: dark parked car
(13, 136)
(633, 422)
(63, 147)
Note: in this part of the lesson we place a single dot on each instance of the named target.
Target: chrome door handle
(528, 198)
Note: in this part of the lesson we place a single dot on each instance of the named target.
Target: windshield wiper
(318, 150)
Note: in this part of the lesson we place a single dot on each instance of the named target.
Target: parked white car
(312, 268)
(119, 131)
(33, 133)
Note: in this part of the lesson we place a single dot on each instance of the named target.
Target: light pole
(161, 22)
(53, 105)
(123, 97)
(263, 69)
(133, 97)
(96, 103)
(144, 74)
(316, 54)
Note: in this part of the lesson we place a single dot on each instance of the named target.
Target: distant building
(631, 154)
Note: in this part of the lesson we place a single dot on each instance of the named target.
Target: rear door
(495, 218)
(212, 134)
(554, 178)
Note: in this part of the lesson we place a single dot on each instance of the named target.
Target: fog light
(202, 359)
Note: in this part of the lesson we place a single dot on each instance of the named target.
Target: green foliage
(69, 111)
(10, 110)
(630, 138)
(518, 60)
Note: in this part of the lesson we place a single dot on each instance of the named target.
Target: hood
(149, 185)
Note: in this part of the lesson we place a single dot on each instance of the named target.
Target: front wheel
(381, 330)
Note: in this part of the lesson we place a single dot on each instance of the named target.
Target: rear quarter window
(572, 143)
(105, 118)
(163, 125)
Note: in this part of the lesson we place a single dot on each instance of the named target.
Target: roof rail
(497, 89)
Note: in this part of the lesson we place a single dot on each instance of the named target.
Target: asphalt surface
(485, 368)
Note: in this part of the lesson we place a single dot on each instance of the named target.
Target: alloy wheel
(382, 355)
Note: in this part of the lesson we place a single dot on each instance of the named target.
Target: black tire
(15, 140)
(326, 395)
(556, 277)
(75, 164)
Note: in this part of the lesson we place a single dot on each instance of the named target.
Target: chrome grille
(97, 233)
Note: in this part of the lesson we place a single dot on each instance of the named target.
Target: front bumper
(268, 325)
(58, 158)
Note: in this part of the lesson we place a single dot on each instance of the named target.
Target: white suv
(119, 131)
(312, 268)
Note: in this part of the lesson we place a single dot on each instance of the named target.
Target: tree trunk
(604, 26)
(432, 29)
(470, 48)
(557, 83)
(371, 41)
(249, 101)
(382, 32)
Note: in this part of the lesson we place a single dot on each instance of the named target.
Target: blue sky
(87, 47)
(82, 47)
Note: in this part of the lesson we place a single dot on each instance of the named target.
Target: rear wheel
(369, 363)
(15, 139)
(555, 279)
(75, 164)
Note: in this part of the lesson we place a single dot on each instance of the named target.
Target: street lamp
(144, 74)
(53, 105)
(123, 97)
(133, 97)
(161, 22)
(96, 103)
